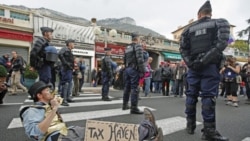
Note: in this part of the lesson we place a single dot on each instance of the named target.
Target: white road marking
(76, 98)
(246, 139)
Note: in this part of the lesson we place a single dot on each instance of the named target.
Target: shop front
(12, 40)
(117, 53)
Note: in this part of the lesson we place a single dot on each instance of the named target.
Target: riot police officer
(201, 47)
(43, 56)
(135, 68)
(107, 74)
(67, 60)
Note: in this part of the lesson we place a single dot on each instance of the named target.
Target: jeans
(147, 86)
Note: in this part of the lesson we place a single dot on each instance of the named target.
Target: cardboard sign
(110, 131)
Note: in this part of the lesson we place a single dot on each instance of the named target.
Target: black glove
(197, 65)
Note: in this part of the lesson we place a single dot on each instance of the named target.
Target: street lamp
(112, 33)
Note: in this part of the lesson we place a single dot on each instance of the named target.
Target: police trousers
(204, 83)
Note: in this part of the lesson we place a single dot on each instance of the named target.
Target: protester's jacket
(17, 63)
(67, 58)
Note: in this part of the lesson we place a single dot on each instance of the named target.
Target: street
(169, 112)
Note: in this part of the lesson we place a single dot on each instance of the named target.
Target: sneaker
(229, 103)
(235, 104)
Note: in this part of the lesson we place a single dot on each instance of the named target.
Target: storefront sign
(6, 20)
(172, 55)
(16, 35)
(115, 49)
(110, 131)
(80, 52)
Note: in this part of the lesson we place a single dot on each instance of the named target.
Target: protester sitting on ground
(43, 122)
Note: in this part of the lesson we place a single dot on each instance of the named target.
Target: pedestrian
(166, 77)
(231, 86)
(134, 70)
(17, 64)
(77, 75)
(148, 76)
(201, 47)
(94, 77)
(82, 68)
(67, 59)
(3, 91)
(43, 56)
(245, 74)
(157, 79)
(179, 73)
(107, 74)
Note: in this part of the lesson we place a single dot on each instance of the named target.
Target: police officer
(201, 47)
(135, 68)
(107, 74)
(43, 56)
(67, 60)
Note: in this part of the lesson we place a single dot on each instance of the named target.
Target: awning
(172, 56)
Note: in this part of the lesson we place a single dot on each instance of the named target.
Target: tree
(246, 32)
(240, 44)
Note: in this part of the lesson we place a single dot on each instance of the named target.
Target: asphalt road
(169, 111)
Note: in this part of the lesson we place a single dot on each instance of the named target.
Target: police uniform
(107, 75)
(135, 68)
(43, 56)
(67, 60)
(201, 47)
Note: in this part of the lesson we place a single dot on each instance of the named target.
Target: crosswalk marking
(246, 139)
(76, 98)
(93, 103)
(16, 122)
(11, 104)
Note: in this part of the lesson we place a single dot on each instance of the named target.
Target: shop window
(1, 12)
(175, 45)
(166, 43)
(20, 16)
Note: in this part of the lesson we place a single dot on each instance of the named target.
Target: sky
(162, 16)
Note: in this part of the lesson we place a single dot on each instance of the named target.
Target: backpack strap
(26, 108)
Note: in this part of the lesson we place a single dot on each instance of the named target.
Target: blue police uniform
(43, 56)
(107, 75)
(67, 60)
(135, 68)
(201, 47)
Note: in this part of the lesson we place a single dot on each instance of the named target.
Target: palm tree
(246, 32)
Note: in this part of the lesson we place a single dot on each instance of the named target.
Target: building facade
(16, 31)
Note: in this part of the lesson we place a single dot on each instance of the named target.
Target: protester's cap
(107, 49)
(46, 29)
(69, 41)
(37, 87)
(134, 35)
(205, 6)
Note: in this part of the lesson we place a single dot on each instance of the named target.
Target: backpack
(166, 72)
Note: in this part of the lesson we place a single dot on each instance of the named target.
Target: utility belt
(227, 79)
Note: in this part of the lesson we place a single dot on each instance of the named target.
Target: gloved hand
(197, 65)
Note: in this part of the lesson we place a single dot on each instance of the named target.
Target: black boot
(106, 98)
(125, 106)
(135, 110)
(211, 134)
(191, 125)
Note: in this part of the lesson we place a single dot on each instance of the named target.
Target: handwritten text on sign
(110, 131)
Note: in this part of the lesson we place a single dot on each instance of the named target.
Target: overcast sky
(162, 16)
